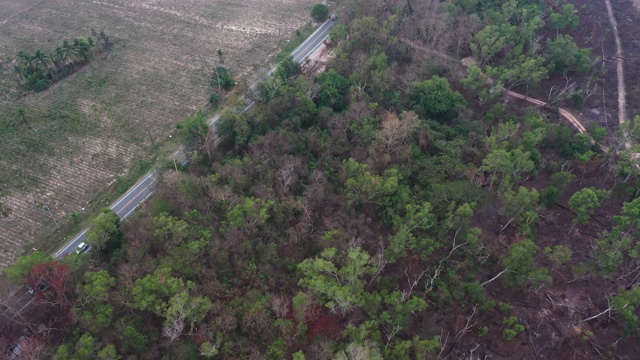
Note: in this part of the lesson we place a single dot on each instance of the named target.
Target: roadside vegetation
(390, 207)
(76, 144)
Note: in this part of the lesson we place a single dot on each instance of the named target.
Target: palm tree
(83, 47)
(68, 52)
(55, 61)
(5, 210)
(27, 61)
(41, 60)
(62, 56)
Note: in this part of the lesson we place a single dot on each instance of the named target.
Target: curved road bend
(143, 189)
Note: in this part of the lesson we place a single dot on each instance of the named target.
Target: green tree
(183, 309)
(356, 351)
(109, 352)
(559, 254)
(410, 237)
(319, 12)
(564, 55)
(364, 187)
(222, 79)
(133, 339)
(22, 267)
(196, 133)
(557, 183)
(153, 291)
(251, 214)
(520, 266)
(96, 286)
(333, 90)
(488, 43)
(288, 68)
(214, 100)
(85, 347)
(83, 48)
(105, 233)
(568, 18)
(519, 206)
(338, 278)
(510, 165)
(42, 61)
(625, 304)
(435, 99)
(585, 202)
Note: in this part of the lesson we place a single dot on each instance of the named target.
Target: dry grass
(93, 126)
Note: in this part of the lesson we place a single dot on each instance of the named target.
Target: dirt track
(622, 93)
(563, 112)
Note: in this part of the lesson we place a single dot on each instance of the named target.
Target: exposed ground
(622, 92)
(94, 126)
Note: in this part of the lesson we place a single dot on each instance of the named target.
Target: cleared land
(94, 126)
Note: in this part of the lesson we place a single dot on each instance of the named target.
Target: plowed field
(97, 124)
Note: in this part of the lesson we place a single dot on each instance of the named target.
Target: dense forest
(395, 205)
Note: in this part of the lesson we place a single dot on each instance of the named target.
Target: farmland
(94, 127)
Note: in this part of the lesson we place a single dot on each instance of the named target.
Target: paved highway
(144, 188)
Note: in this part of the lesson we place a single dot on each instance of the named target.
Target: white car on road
(82, 248)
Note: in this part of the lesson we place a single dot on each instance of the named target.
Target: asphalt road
(143, 189)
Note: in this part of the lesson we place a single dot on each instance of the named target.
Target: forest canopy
(395, 206)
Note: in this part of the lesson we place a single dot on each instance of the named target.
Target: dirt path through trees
(563, 112)
(622, 93)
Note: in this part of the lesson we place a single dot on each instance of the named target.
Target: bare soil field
(97, 124)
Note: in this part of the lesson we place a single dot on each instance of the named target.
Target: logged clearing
(99, 123)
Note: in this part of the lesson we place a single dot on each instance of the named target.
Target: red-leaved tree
(50, 282)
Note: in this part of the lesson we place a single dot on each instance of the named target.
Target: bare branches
(606, 311)
(468, 325)
(495, 277)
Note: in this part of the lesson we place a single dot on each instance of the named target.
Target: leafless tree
(396, 131)
(431, 22)
(465, 26)
(280, 305)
